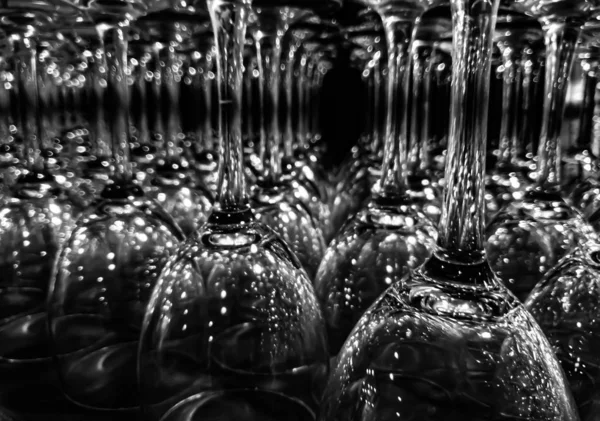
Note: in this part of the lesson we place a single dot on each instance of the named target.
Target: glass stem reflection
(115, 46)
(561, 39)
(229, 22)
(461, 226)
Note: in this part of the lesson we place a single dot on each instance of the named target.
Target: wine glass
(579, 161)
(581, 158)
(564, 303)
(110, 261)
(300, 165)
(233, 322)
(449, 341)
(36, 216)
(273, 198)
(173, 184)
(434, 28)
(528, 236)
(515, 32)
(355, 17)
(362, 169)
(389, 237)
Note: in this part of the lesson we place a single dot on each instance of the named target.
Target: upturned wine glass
(36, 217)
(109, 263)
(273, 198)
(515, 32)
(233, 323)
(300, 165)
(173, 184)
(580, 163)
(528, 236)
(449, 341)
(391, 235)
(565, 304)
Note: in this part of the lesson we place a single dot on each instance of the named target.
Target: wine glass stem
(461, 226)
(156, 90)
(510, 107)
(315, 111)
(532, 79)
(418, 158)
(268, 51)
(590, 81)
(97, 80)
(114, 40)
(306, 112)
(207, 94)
(25, 57)
(375, 133)
(288, 142)
(368, 80)
(561, 39)
(301, 92)
(5, 107)
(229, 22)
(171, 91)
(393, 172)
(141, 88)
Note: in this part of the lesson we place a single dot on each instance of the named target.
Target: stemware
(362, 167)
(573, 328)
(109, 263)
(580, 158)
(434, 28)
(565, 304)
(173, 185)
(515, 32)
(391, 235)
(273, 198)
(450, 341)
(233, 322)
(299, 164)
(528, 236)
(36, 216)
(579, 162)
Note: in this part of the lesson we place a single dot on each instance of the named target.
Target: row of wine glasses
(142, 278)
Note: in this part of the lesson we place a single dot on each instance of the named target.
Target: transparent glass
(528, 236)
(449, 341)
(233, 324)
(36, 216)
(173, 184)
(392, 235)
(573, 328)
(515, 33)
(273, 197)
(108, 265)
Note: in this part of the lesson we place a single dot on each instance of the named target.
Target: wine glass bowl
(572, 329)
(449, 341)
(374, 250)
(425, 349)
(104, 276)
(234, 309)
(529, 236)
(541, 221)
